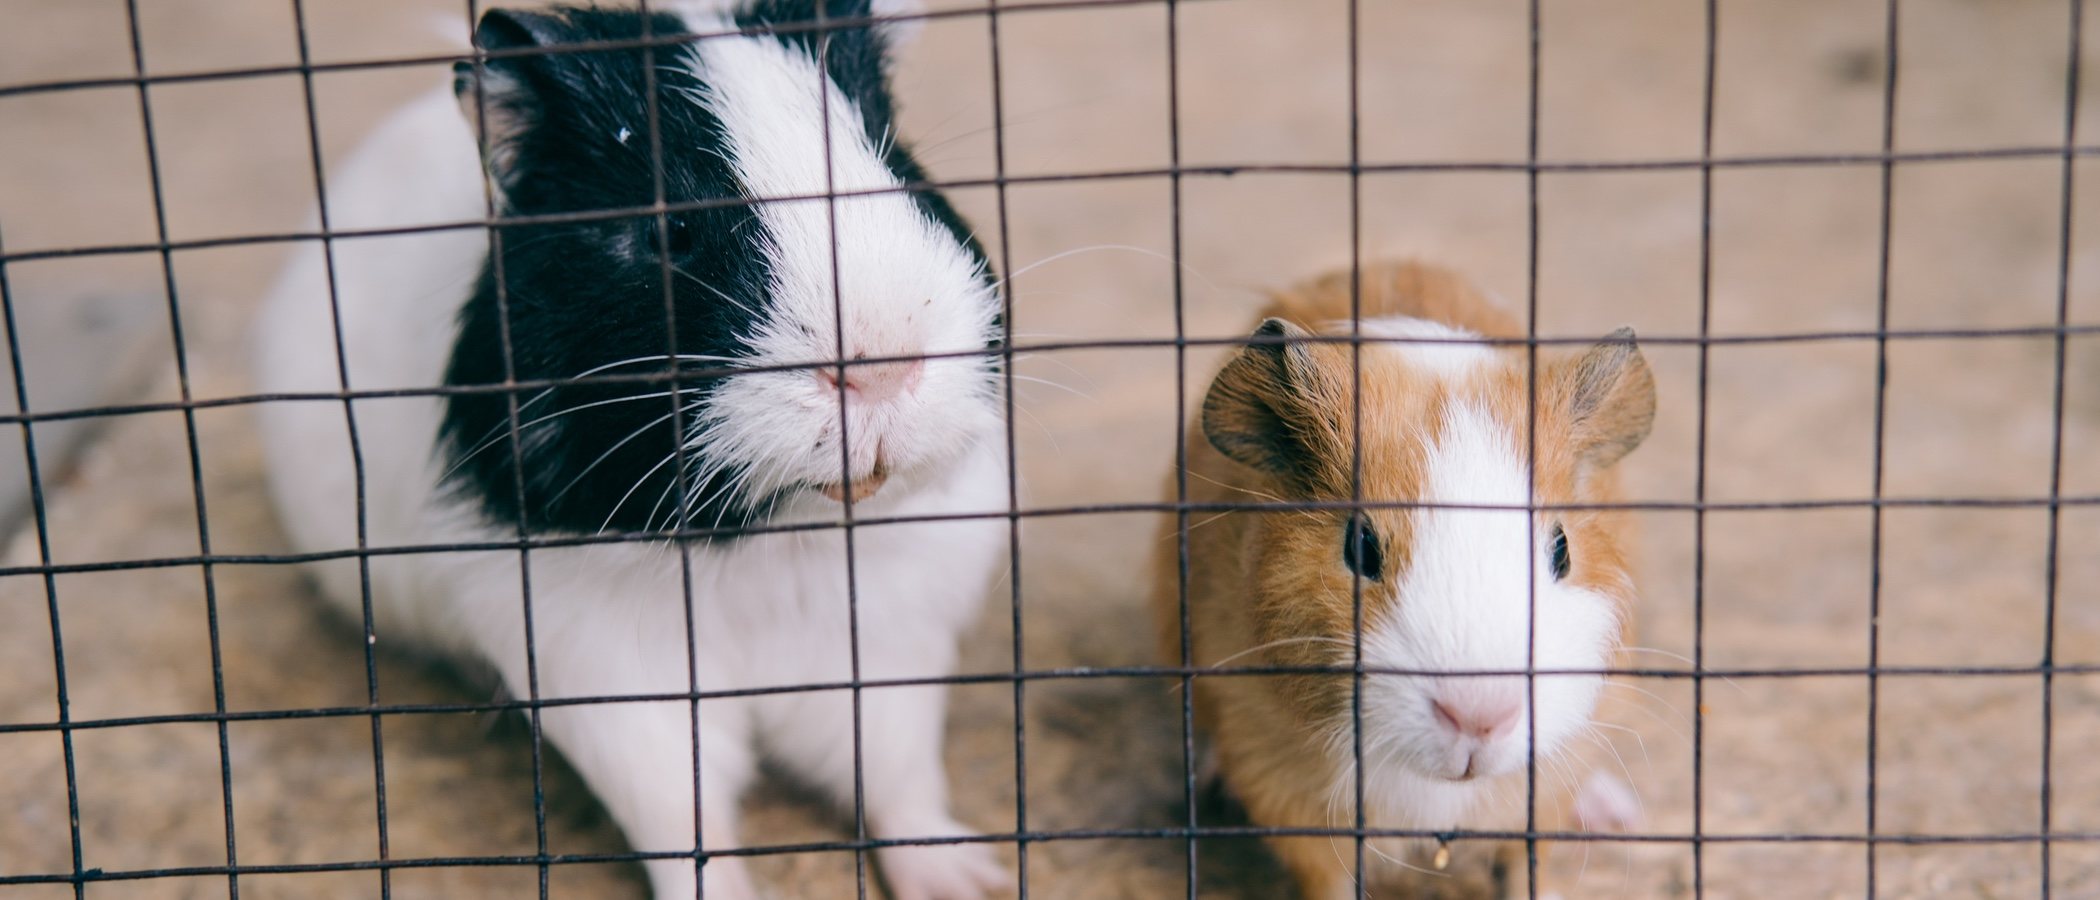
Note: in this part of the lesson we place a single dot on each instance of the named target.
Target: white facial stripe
(1475, 460)
(1451, 361)
(892, 259)
(906, 286)
(1468, 601)
(1466, 558)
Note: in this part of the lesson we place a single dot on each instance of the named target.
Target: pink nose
(1482, 719)
(876, 381)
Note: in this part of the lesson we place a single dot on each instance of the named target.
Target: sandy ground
(1795, 248)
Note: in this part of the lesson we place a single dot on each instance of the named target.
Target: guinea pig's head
(1455, 583)
(746, 294)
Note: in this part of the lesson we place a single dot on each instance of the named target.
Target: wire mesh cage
(1848, 235)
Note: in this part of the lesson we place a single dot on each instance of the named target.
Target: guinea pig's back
(397, 298)
(1408, 288)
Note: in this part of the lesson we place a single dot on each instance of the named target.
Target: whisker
(1334, 800)
(1637, 739)
(732, 301)
(1195, 525)
(1045, 381)
(1665, 704)
(1055, 447)
(1640, 803)
(1052, 359)
(1659, 720)
(491, 442)
(1124, 247)
(630, 491)
(609, 451)
(1687, 661)
(549, 392)
(1309, 639)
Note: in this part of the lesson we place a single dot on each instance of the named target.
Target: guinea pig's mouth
(863, 485)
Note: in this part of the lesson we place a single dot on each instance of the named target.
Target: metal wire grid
(1190, 832)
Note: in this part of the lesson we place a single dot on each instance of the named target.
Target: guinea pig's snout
(1476, 723)
(1484, 721)
(875, 381)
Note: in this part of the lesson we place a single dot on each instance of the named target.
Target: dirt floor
(1795, 248)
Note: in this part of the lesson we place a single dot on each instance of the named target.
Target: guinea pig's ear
(857, 57)
(1608, 395)
(1257, 411)
(499, 97)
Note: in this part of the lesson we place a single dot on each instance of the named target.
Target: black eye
(678, 236)
(1557, 553)
(1360, 550)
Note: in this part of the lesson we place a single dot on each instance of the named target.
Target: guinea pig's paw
(943, 871)
(1607, 803)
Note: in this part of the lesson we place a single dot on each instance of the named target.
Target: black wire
(515, 441)
(1181, 446)
(682, 476)
(1881, 392)
(356, 443)
(1066, 835)
(2050, 567)
(43, 548)
(1048, 674)
(1191, 833)
(447, 59)
(1356, 444)
(687, 374)
(1094, 509)
(992, 13)
(846, 525)
(1531, 460)
(1706, 303)
(2053, 151)
(189, 428)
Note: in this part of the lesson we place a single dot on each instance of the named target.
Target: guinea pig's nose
(1483, 718)
(876, 381)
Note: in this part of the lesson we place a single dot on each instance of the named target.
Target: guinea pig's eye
(1557, 552)
(678, 236)
(1360, 550)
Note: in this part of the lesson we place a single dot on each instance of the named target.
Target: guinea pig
(724, 606)
(1447, 587)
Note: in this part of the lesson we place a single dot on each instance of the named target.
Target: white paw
(943, 871)
(1607, 803)
(727, 877)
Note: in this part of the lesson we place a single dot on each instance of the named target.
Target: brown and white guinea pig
(1445, 590)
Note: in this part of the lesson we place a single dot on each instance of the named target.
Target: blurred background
(1796, 247)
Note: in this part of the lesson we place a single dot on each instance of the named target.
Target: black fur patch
(572, 131)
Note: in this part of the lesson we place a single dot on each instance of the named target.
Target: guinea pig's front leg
(638, 759)
(903, 782)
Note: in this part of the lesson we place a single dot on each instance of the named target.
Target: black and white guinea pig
(566, 291)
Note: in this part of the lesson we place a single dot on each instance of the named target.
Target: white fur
(767, 97)
(1441, 351)
(767, 610)
(1462, 605)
